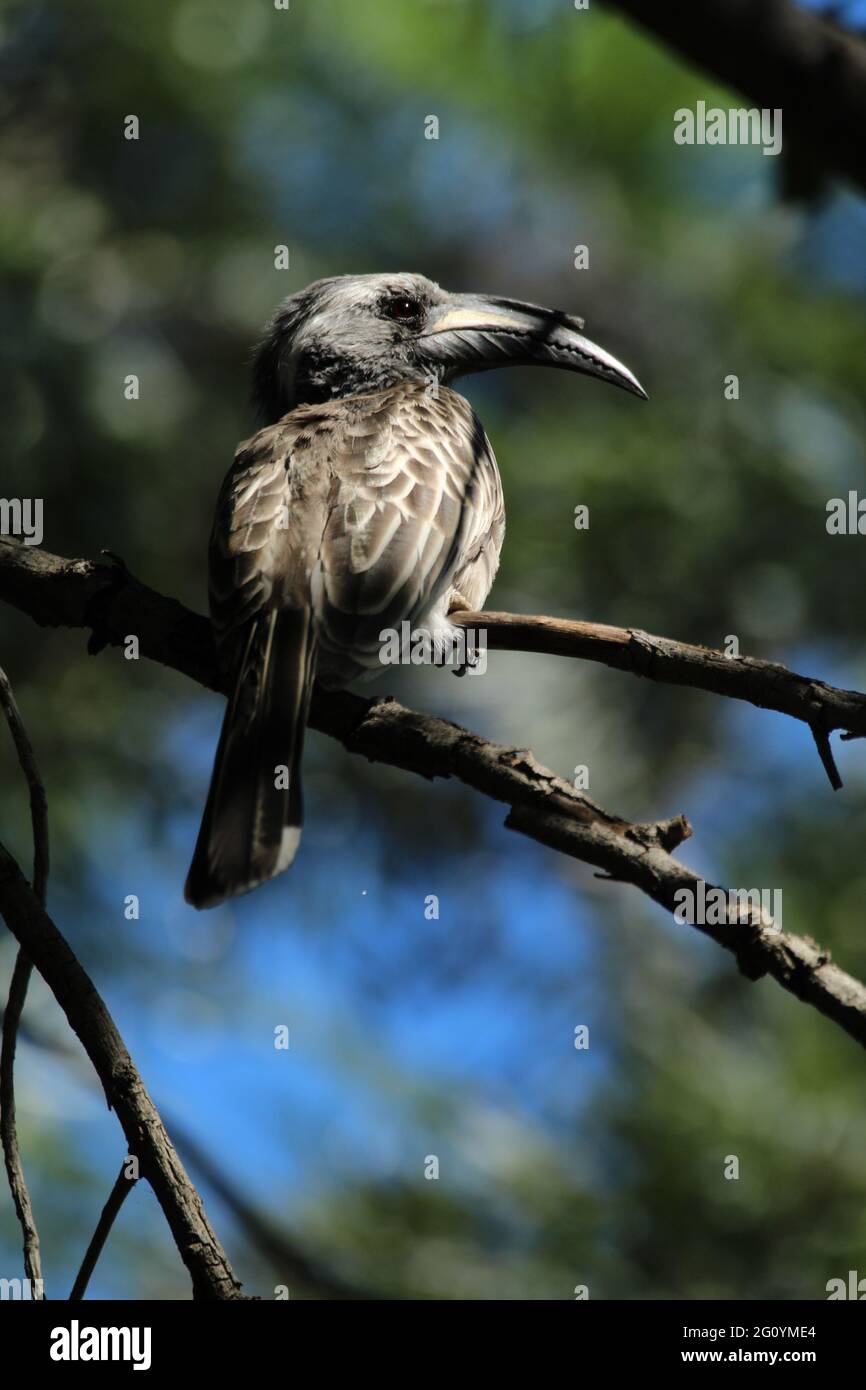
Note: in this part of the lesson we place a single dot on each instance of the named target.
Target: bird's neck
(326, 379)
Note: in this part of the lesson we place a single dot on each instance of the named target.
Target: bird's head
(354, 333)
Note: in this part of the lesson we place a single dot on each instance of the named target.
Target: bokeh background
(452, 1037)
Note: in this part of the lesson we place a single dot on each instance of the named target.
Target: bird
(369, 498)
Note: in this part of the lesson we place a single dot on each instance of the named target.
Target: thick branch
(546, 808)
(80, 593)
(106, 599)
(89, 1018)
(779, 55)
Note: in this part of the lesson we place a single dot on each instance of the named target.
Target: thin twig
(123, 1185)
(18, 994)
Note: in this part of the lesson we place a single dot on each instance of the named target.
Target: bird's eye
(400, 307)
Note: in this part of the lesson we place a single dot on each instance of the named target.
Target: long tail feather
(252, 819)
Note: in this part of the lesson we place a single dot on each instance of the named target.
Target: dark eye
(400, 307)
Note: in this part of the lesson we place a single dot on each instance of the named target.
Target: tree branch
(212, 1275)
(116, 1198)
(767, 684)
(109, 601)
(18, 994)
(282, 1250)
(9, 1130)
(105, 598)
(779, 55)
(284, 1253)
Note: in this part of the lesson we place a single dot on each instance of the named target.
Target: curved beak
(474, 333)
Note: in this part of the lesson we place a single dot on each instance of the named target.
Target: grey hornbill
(371, 498)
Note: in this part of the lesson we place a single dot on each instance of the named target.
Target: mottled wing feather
(418, 494)
(242, 541)
(370, 510)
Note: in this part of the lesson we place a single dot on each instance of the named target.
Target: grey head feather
(338, 337)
